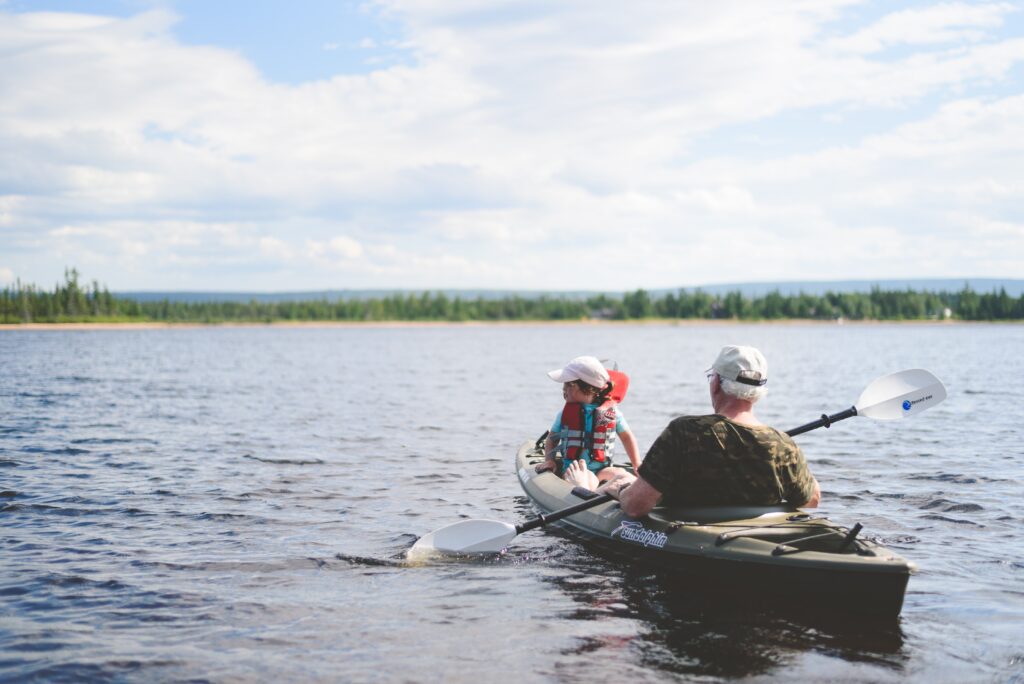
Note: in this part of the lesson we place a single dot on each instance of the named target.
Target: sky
(573, 145)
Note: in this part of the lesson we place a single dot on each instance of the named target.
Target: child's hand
(546, 466)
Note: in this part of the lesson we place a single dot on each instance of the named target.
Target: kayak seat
(709, 515)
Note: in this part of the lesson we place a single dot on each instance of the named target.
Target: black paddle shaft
(565, 512)
(824, 421)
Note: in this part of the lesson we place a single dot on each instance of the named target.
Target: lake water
(234, 504)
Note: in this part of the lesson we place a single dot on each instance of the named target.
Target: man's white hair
(742, 391)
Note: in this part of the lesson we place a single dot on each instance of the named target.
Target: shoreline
(158, 325)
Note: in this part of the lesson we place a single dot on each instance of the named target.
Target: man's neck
(737, 410)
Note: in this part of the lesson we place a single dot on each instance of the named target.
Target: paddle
(890, 397)
(491, 536)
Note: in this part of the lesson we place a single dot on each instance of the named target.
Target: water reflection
(710, 633)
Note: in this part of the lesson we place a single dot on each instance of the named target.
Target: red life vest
(576, 439)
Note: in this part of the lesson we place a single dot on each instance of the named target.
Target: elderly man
(727, 458)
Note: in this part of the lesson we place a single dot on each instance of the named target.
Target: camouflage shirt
(712, 461)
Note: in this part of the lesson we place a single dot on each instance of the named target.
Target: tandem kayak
(775, 553)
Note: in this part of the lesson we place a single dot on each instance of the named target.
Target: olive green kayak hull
(779, 554)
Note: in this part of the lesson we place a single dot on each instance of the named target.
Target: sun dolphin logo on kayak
(907, 404)
(638, 534)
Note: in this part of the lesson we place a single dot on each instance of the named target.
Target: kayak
(776, 553)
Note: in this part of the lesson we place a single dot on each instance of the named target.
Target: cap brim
(562, 375)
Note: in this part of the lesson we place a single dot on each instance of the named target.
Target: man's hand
(636, 496)
(615, 486)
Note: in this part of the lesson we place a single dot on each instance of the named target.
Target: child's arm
(632, 449)
(550, 463)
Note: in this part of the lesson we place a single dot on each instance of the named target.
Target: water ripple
(945, 518)
(952, 506)
(285, 461)
(234, 504)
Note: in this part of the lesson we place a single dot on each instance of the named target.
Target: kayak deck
(774, 552)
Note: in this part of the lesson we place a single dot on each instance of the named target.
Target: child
(584, 432)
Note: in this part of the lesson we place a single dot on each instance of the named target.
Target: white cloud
(722, 199)
(495, 226)
(335, 250)
(8, 206)
(6, 276)
(278, 249)
(945, 23)
(515, 134)
(345, 247)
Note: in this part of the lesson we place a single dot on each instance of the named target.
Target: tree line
(74, 301)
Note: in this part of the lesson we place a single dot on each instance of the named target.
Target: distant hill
(1014, 288)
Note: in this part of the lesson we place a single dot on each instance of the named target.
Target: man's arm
(800, 487)
(815, 497)
(636, 495)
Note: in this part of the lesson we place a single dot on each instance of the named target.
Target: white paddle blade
(901, 394)
(465, 537)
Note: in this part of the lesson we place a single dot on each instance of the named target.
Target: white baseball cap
(585, 368)
(743, 364)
